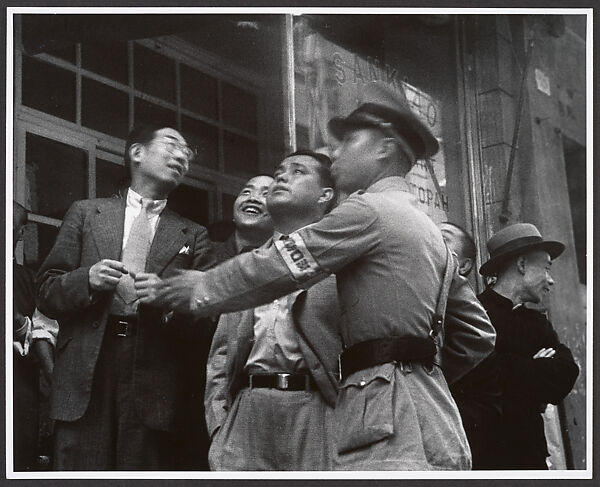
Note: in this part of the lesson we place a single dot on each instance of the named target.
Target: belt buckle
(125, 332)
(282, 382)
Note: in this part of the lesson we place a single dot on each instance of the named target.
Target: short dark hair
(324, 169)
(142, 134)
(468, 244)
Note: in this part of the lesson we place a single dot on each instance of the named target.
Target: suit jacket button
(96, 323)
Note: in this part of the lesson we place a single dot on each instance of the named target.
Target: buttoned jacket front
(389, 259)
(92, 230)
(316, 318)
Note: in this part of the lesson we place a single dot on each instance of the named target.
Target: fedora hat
(514, 240)
(383, 110)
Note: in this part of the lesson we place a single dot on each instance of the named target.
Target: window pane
(343, 60)
(228, 200)
(154, 73)
(48, 88)
(38, 240)
(150, 113)
(104, 108)
(66, 54)
(191, 203)
(205, 138)
(241, 155)
(110, 177)
(108, 59)
(239, 108)
(56, 175)
(198, 92)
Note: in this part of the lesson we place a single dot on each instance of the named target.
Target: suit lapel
(107, 228)
(170, 237)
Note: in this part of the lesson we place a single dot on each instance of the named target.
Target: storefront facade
(247, 89)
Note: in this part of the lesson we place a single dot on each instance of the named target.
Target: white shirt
(133, 208)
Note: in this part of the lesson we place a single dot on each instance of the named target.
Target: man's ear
(465, 266)
(521, 264)
(385, 148)
(135, 152)
(327, 195)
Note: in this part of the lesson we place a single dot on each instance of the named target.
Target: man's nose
(550, 280)
(282, 176)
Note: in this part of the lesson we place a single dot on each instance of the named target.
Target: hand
(105, 275)
(176, 292)
(545, 353)
(19, 320)
(147, 287)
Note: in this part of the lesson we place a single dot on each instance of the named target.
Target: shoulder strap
(440, 309)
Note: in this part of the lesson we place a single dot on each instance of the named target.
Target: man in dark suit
(118, 380)
(535, 368)
(271, 383)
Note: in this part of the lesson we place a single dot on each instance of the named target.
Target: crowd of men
(346, 335)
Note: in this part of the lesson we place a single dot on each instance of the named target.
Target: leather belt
(383, 350)
(282, 381)
(123, 326)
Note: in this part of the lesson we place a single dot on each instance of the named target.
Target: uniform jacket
(316, 316)
(527, 384)
(389, 259)
(93, 230)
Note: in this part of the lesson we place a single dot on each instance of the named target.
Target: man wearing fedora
(394, 410)
(535, 368)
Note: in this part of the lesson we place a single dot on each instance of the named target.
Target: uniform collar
(397, 183)
(134, 200)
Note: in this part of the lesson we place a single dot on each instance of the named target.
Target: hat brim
(408, 123)
(553, 248)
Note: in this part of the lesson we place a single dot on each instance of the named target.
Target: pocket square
(185, 250)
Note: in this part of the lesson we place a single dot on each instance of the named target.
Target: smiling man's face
(250, 207)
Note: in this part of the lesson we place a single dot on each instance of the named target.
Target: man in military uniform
(394, 410)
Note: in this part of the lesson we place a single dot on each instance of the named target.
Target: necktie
(134, 258)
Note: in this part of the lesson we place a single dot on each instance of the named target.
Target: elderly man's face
(537, 280)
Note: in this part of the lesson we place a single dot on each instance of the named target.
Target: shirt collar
(134, 200)
(397, 183)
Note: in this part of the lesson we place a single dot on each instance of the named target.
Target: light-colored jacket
(316, 318)
(389, 259)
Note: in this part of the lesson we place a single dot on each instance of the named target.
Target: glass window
(241, 155)
(38, 240)
(239, 108)
(110, 178)
(154, 73)
(150, 113)
(228, 200)
(107, 59)
(205, 138)
(104, 108)
(56, 175)
(576, 180)
(340, 59)
(191, 203)
(48, 88)
(66, 54)
(198, 92)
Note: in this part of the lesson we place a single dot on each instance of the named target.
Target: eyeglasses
(173, 146)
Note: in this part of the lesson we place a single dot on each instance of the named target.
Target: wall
(553, 107)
